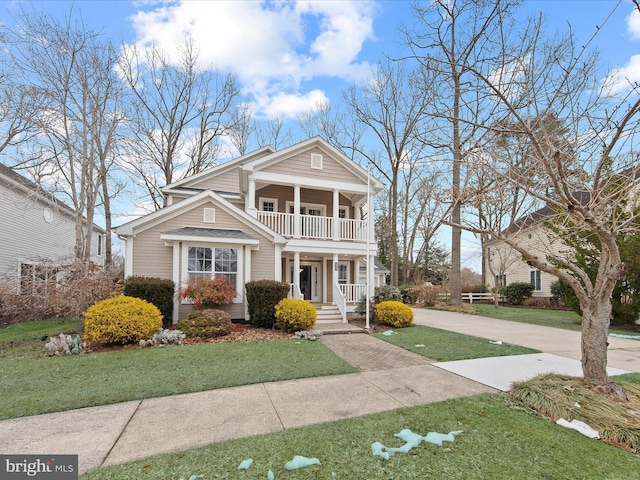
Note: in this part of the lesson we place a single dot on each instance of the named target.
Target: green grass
(33, 386)
(21, 340)
(569, 320)
(444, 346)
(497, 442)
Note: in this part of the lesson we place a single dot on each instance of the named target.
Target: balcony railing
(315, 226)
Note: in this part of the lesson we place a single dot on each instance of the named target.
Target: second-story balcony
(315, 226)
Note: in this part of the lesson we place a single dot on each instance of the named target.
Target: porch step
(328, 314)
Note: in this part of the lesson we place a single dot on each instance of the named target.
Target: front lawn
(569, 320)
(497, 442)
(445, 346)
(33, 383)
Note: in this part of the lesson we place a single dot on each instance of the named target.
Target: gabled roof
(14, 179)
(219, 169)
(158, 217)
(266, 156)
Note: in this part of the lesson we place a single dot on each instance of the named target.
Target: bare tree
(273, 133)
(70, 71)
(449, 35)
(587, 181)
(242, 125)
(177, 115)
(391, 105)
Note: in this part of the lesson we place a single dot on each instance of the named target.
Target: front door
(309, 281)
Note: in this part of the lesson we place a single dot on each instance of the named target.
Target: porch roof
(217, 234)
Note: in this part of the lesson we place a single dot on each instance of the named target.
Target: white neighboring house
(294, 215)
(36, 226)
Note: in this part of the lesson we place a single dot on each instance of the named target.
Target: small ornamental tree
(206, 293)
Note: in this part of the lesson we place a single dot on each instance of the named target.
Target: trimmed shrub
(208, 323)
(121, 320)
(517, 292)
(393, 313)
(387, 292)
(209, 293)
(158, 291)
(293, 315)
(262, 298)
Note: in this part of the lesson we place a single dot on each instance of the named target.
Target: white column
(336, 214)
(277, 268)
(250, 202)
(247, 278)
(176, 280)
(296, 271)
(296, 211)
(325, 293)
(128, 257)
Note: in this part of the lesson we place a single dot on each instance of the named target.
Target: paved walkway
(391, 378)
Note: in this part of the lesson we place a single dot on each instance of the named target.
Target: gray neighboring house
(294, 215)
(36, 226)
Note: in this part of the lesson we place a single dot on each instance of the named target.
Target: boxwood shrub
(262, 298)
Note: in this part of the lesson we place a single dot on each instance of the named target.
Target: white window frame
(346, 212)
(535, 279)
(239, 265)
(316, 161)
(347, 270)
(262, 200)
(307, 206)
(99, 244)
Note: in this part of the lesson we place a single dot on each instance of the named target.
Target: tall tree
(70, 71)
(178, 112)
(449, 35)
(391, 105)
(542, 76)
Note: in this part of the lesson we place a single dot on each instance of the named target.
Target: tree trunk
(595, 330)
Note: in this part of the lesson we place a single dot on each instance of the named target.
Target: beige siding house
(34, 227)
(295, 215)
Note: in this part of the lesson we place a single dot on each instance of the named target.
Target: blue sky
(290, 55)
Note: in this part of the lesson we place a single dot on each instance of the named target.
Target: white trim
(261, 200)
(208, 215)
(184, 271)
(315, 206)
(176, 281)
(310, 182)
(217, 241)
(316, 161)
(128, 257)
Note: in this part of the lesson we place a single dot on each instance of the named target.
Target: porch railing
(294, 291)
(353, 292)
(340, 301)
(314, 226)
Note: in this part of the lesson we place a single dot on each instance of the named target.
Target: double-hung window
(215, 262)
(535, 278)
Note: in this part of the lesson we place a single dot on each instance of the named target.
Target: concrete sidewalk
(391, 378)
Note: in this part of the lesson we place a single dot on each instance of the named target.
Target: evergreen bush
(121, 320)
(262, 298)
(207, 323)
(393, 313)
(293, 315)
(158, 291)
(516, 293)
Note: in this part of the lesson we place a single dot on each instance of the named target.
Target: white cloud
(271, 46)
(290, 105)
(621, 79)
(633, 24)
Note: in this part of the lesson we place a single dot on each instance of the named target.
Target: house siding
(301, 165)
(226, 182)
(26, 235)
(152, 258)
